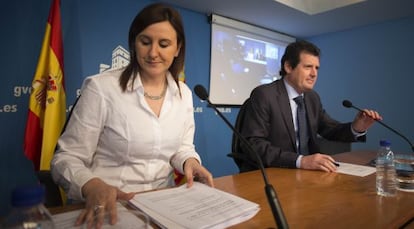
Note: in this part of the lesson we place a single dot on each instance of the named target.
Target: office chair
(52, 196)
(236, 151)
(332, 147)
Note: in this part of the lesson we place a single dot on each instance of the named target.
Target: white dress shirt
(114, 135)
(294, 107)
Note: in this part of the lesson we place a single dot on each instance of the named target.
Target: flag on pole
(47, 104)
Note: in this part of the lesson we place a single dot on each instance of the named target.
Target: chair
(236, 150)
(332, 147)
(52, 196)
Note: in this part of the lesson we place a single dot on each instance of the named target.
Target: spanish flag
(47, 105)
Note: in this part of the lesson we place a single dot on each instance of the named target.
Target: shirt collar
(137, 86)
(292, 93)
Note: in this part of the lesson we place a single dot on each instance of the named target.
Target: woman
(132, 127)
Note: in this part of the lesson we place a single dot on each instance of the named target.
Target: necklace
(156, 97)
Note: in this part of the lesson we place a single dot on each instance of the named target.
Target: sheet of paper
(355, 170)
(197, 207)
(126, 219)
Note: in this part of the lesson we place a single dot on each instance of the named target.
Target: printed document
(127, 219)
(200, 206)
(355, 170)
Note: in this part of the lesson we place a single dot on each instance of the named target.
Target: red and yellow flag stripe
(47, 105)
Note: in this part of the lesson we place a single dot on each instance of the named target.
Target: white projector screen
(242, 57)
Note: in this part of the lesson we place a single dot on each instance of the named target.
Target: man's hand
(318, 162)
(364, 120)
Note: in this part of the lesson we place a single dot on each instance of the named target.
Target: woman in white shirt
(132, 127)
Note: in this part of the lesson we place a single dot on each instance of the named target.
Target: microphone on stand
(348, 104)
(278, 215)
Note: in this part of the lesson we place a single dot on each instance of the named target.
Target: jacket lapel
(285, 109)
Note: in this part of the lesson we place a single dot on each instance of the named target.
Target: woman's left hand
(194, 171)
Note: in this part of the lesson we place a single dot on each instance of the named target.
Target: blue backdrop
(371, 66)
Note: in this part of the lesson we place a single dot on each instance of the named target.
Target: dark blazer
(268, 126)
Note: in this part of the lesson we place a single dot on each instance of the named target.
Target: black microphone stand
(348, 104)
(270, 191)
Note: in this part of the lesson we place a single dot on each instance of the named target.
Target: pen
(336, 164)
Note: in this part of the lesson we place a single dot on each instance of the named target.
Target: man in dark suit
(270, 122)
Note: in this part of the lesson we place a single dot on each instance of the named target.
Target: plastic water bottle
(386, 175)
(28, 211)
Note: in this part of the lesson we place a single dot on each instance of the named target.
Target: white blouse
(115, 136)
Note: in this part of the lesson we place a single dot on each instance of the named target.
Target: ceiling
(282, 18)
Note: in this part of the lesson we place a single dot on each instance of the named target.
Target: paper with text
(197, 207)
(355, 170)
(126, 220)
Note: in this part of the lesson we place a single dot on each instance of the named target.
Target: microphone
(278, 215)
(348, 104)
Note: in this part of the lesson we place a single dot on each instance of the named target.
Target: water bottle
(386, 175)
(28, 211)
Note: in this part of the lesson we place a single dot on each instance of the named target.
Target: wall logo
(120, 58)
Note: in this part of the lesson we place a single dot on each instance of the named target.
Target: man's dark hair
(293, 51)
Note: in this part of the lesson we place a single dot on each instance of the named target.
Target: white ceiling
(282, 18)
(317, 6)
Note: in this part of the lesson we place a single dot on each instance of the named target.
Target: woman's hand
(193, 170)
(101, 199)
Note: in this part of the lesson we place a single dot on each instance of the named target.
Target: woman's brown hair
(152, 14)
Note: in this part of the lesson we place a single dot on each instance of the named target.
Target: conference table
(316, 199)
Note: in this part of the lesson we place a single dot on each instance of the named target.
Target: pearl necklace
(156, 97)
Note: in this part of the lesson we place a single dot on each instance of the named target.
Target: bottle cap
(385, 143)
(28, 195)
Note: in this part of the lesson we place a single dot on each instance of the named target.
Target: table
(316, 199)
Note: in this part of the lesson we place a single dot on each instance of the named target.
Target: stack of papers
(127, 219)
(197, 207)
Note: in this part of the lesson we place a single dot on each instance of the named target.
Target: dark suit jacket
(268, 126)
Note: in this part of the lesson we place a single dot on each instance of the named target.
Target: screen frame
(240, 28)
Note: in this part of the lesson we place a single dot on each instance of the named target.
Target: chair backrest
(52, 195)
(237, 152)
(332, 147)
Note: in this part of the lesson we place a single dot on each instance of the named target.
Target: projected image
(239, 63)
(254, 50)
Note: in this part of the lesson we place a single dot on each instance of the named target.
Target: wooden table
(316, 199)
